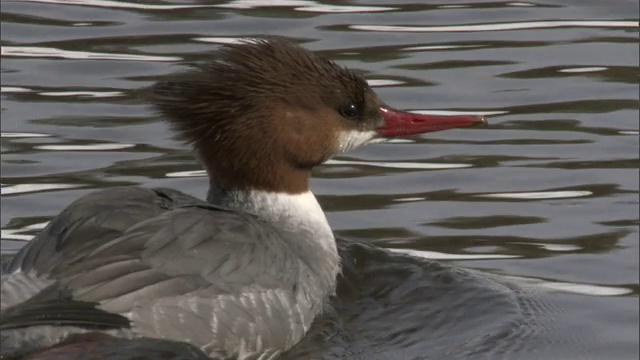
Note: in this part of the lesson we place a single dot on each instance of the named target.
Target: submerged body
(387, 305)
(243, 275)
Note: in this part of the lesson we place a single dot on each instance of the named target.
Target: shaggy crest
(268, 104)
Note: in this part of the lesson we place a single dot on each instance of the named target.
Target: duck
(252, 272)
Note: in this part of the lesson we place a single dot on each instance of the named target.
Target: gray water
(547, 194)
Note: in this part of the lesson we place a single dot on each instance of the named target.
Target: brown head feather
(263, 113)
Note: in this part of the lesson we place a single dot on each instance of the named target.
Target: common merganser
(242, 275)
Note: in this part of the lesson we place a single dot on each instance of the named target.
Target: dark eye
(350, 111)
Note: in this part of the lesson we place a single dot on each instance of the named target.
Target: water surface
(546, 195)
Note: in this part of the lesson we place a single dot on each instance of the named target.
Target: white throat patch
(351, 139)
(293, 211)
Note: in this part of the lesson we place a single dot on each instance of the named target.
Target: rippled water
(547, 194)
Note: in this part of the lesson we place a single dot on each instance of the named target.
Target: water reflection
(42, 52)
(499, 27)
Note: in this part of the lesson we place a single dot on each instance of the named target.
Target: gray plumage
(225, 281)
